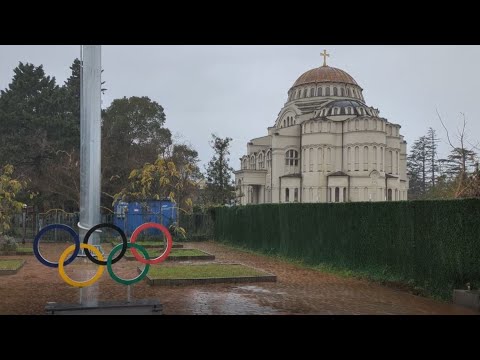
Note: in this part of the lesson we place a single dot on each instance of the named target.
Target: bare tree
(461, 155)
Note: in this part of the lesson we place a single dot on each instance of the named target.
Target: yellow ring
(65, 277)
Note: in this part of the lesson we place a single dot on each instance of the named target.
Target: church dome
(325, 74)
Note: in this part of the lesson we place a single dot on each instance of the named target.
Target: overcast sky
(238, 91)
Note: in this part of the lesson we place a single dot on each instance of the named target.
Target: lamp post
(24, 216)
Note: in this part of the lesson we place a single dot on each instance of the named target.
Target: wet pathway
(297, 291)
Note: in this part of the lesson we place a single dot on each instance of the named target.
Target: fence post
(56, 222)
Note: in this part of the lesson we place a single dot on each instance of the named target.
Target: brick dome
(324, 74)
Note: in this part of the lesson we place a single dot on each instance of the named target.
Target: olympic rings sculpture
(75, 248)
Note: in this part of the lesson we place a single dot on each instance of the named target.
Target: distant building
(327, 145)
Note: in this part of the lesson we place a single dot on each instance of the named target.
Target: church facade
(327, 145)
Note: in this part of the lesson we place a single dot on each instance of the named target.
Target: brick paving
(297, 291)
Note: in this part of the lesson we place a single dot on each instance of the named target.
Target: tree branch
(446, 130)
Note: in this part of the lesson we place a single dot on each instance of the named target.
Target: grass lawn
(18, 251)
(202, 271)
(8, 264)
(174, 253)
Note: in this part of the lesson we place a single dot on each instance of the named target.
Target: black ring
(114, 227)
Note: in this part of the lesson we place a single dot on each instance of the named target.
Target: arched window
(365, 158)
(304, 93)
(244, 164)
(284, 122)
(304, 160)
(357, 158)
(295, 195)
(252, 162)
(320, 159)
(327, 91)
(345, 194)
(312, 92)
(348, 92)
(349, 159)
(390, 162)
(291, 158)
(329, 159)
(374, 158)
(337, 194)
(287, 195)
(381, 158)
(319, 91)
(311, 127)
(342, 92)
(335, 110)
(335, 91)
(269, 159)
(310, 158)
(389, 196)
(261, 161)
(396, 162)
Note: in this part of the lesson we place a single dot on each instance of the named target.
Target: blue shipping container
(129, 216)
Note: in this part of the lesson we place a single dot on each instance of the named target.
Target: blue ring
(72, 232)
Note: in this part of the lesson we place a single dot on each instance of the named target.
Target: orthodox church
(327, 145)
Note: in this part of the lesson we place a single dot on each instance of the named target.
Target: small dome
(325, 74)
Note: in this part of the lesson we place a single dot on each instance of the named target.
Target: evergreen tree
(417, 167)
(219, 189)
(460, 163)
(432, 165)
(30, 118)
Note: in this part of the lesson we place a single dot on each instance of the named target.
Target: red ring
(160, 258)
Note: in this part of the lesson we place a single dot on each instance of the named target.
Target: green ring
(119, 279)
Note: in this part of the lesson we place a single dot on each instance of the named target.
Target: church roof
(325, 74)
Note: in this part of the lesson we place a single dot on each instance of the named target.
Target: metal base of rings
(135, 307)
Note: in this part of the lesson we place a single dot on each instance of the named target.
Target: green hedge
(434, 245)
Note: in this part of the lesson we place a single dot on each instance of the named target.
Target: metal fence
(26, 225)
(198, 226)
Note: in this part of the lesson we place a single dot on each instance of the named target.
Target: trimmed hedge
(432, 244)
